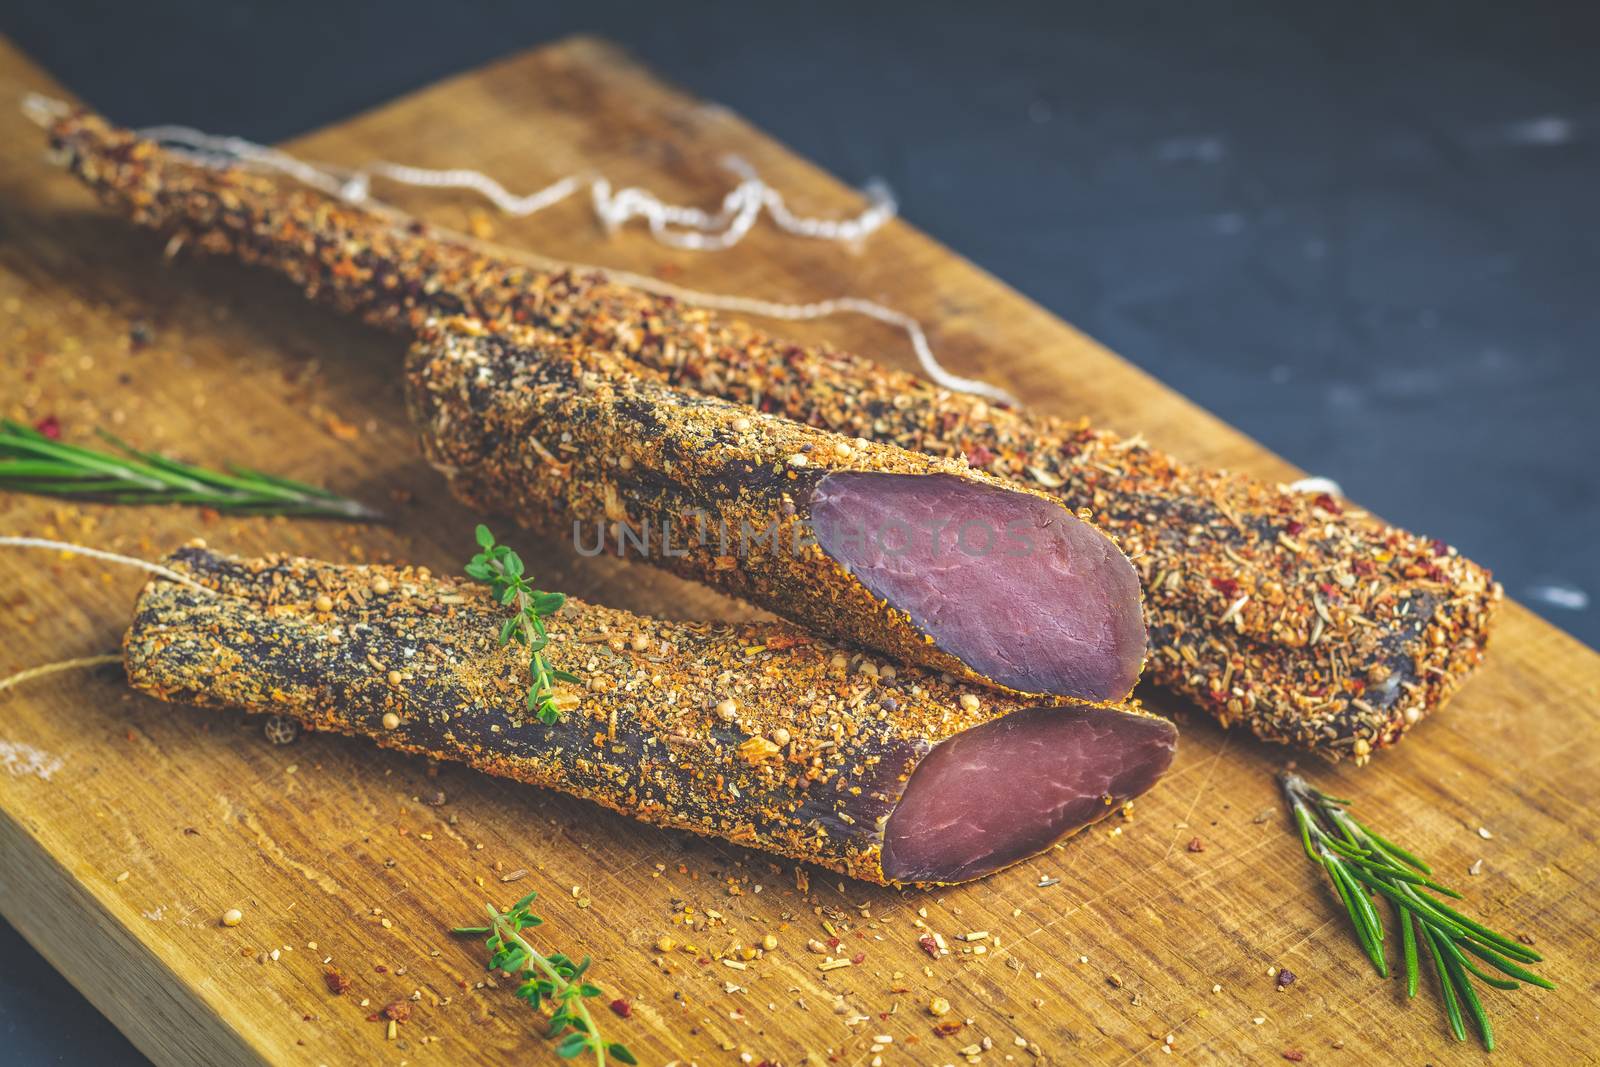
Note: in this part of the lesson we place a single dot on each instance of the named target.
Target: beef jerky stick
(754, 733)
(906, 553)
(1306, 620)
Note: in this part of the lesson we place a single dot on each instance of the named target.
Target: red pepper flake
(1328, 588)
(1293, 1055)
(1294, 528)
(622, 1008)
(1196, 845)
(1440, 548)
(929, 945)
(948, 1027)
(1328, 504)
(858, 958)
(50, 426)
(338, 984)
(1228, 587)
(833, 942)
(980, 456)
(398, 1010)
(381, 969)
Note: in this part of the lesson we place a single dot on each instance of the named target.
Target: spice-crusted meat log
(754, 733)
(1310, 622)
(913, 555)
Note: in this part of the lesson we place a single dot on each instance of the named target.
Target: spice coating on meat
(1296, 615)
(573, 442)
(755, 733)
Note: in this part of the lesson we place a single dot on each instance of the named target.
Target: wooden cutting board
(128, 826)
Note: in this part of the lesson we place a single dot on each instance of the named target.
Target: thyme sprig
(507, 577)
(1361, 864)
(554, 979)
(30, 462)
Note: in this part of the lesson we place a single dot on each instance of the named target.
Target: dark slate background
(1368, 234)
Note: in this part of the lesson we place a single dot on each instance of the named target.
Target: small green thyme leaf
(503, 571)
(547, 979)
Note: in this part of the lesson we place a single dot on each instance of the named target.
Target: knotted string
(674, 225)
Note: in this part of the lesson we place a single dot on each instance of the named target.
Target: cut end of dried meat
(1010, 788)
(1012, 584)
(761, 741)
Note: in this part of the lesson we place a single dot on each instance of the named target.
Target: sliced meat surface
(1009, 583)
(1010, 788)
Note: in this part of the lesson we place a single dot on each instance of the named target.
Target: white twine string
(109, 557)
(674, 225)
(1317, 484)
(57, 667)
(94, 553)
(698, 230)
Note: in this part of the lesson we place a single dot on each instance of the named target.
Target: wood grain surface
(336, 851)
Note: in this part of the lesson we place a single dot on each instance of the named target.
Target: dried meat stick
(755, 733)
(917, 557)
(1296, 615)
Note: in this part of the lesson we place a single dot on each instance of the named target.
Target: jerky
(1306, 620)
(918, 557)
(755, 733)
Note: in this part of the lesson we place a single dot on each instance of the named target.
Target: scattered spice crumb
(337, 983)
(1286, 978)
(232, 917)
(1196, 845)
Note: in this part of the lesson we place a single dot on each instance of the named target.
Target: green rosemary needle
(504, 571)
(554, 979)
(30, 462)
(1360, 864)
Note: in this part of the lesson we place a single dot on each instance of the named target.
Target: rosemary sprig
(506, 575)
(30, 462)
(1361, 864)
(555, 979)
